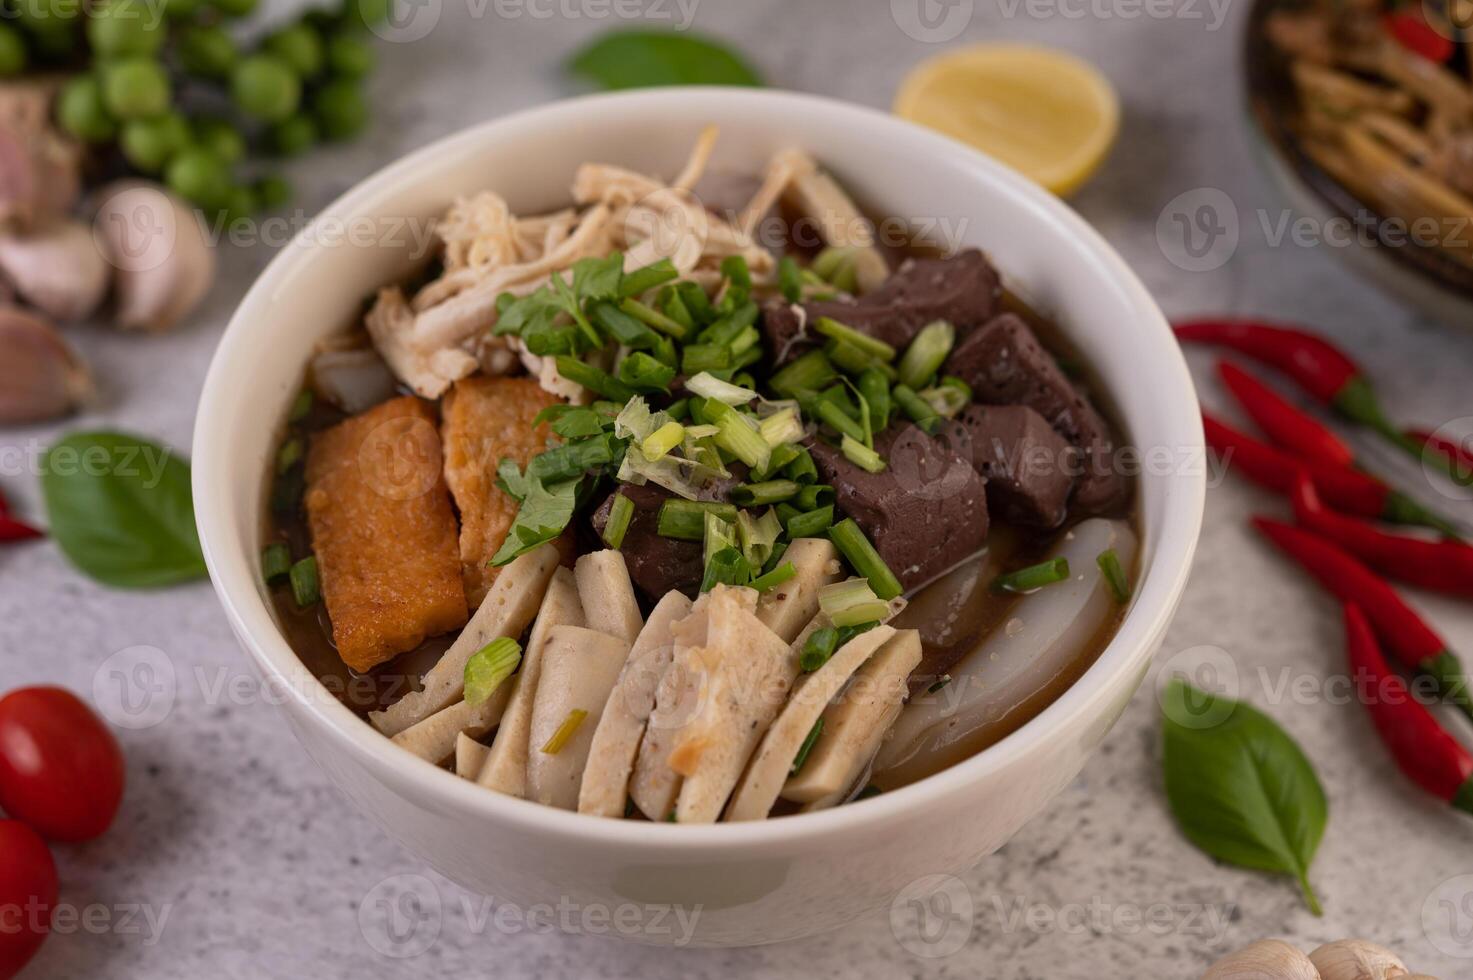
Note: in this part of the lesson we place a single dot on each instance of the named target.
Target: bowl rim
(1141, 629)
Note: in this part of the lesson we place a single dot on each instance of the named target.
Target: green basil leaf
(120, 509)
(640, 59)
(1239, 786)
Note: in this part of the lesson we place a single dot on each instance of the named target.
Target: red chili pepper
(13, 530)
(1345, 489)
(1432, 758)
(1284, 423)
(1315, 364)
(1411, 31)
(1457, 455)
(1443, 566)
(1413, 642)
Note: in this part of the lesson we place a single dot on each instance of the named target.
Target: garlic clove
(40, 170)
(57, 269)
(1267, 959)
(1356, 959)
(40, 376)
(163, 265)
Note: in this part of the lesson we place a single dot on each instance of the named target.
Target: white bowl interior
(368, 239)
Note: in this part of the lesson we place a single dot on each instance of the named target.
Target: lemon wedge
(1043, 112)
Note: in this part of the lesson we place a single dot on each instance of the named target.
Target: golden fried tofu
(488, 420)
(384, 532)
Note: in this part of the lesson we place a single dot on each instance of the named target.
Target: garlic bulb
(40, 376)
(1356, 959)
(1267, 959)
(163, 264)
(57, 269)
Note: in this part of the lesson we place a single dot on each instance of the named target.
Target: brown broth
(310, 634)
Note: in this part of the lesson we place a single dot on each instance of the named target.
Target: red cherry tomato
(61, 769)
(27, 895)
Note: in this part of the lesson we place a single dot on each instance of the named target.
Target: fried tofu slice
(488, 420)
(384, 532)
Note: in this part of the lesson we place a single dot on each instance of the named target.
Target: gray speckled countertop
(234, 857)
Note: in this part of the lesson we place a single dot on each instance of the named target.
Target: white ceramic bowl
(753, 882)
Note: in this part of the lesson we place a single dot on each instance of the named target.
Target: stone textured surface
(264, 870)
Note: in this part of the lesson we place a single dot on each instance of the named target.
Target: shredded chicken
(444, 332)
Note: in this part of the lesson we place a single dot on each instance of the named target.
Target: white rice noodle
(1047, 631)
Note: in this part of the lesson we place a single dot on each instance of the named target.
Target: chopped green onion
(758, 536)
(846, 334)
(945, 400)
(654, 318)
(590, 377)
(808, 742)
(489, 666)
(640, 370)
(743, 343)
(734, 268)
(790, 279)
(861, 455)
(565, 732)
(717, 535)
(675, 308)
(952, 381)
(643, 280)
(301, 406)
(306, 589)
(926, 353)
(624, 328)
(839, 420)
(621, 512)
(1033, 577)
(852, 602)
(781, 428)
(836, 264)
(728, 328)
(762, 494)
(811, 372)
(802, 469)
(861, 554)
(814, 496)
(705, 357)
(786, 512)
(810, 524)
(685, 520)
(852, 360)
(771, 580)
(1114, 574)
(939, 684)
(694, 299)
(662, 440)
(679, 410)
(726, 567)
(290, 454)
(917, 409)
(276, 561)
(708, 386)
(875, 387)
(782, 454)
(738, 435)
(287, 490)
(818, 648)
(778, 550)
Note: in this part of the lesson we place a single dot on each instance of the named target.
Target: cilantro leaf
(545, 512)
(598, 278)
